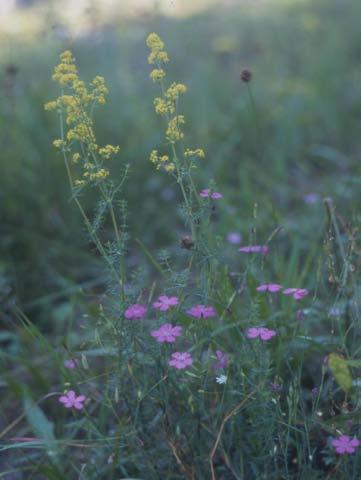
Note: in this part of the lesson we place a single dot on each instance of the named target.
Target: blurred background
(305, 56)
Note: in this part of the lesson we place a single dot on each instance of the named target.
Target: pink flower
(164, 303)
(261, 332)
(297, 293)
(135, 312)
(71, 363)
(201, 311)
(181, 360)
(269, 287)
(234, 238)
(70, 400)
(167, 333)
(222, 360)
(206, 193)
(255, 249)
(344, 444)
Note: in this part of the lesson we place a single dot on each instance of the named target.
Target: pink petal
(262, 288)
(164, 307)
(63, 399)
(289, 291)
(216, 196)
(71, 395)
(340, 449)
(173, 301)
(274, 287)
(253, 332)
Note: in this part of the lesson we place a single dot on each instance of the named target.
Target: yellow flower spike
(153, 42)
(173, 133)
(100, 90)
(156, 45)
(76, 106)
(67, 57)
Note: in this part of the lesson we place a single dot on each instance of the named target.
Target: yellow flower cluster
(107, 151)
(161, 161)
(157, 74)
(198, 152)
(157, 53)
(162, 107)
(66, 72)
(166, 105)
(173, 133)
(77, 104)
(173, 92)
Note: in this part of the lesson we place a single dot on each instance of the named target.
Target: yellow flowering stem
(179, 177)
(180, 181)
(92, 234)
(109, 202)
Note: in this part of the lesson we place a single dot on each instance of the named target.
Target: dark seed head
(187, 243)
(246, 75)
(11, 69)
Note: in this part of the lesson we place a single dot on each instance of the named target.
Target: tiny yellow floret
(157, 74)
(58, 143)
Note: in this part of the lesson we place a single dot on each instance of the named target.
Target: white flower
(221, 379)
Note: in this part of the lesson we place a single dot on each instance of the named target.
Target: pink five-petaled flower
(297, 293)
(181, 360)
(269, 287)
(135, 312)
(201, 311)
(255, 249)
(167, 333)
(222, 360)
(206, 193)
(344, 444)
(261, 332)
(71, 400)
(71, 363)
(164, 303)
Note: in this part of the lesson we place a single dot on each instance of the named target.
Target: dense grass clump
(201, 313)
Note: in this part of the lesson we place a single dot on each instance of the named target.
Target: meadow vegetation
(180, 238)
